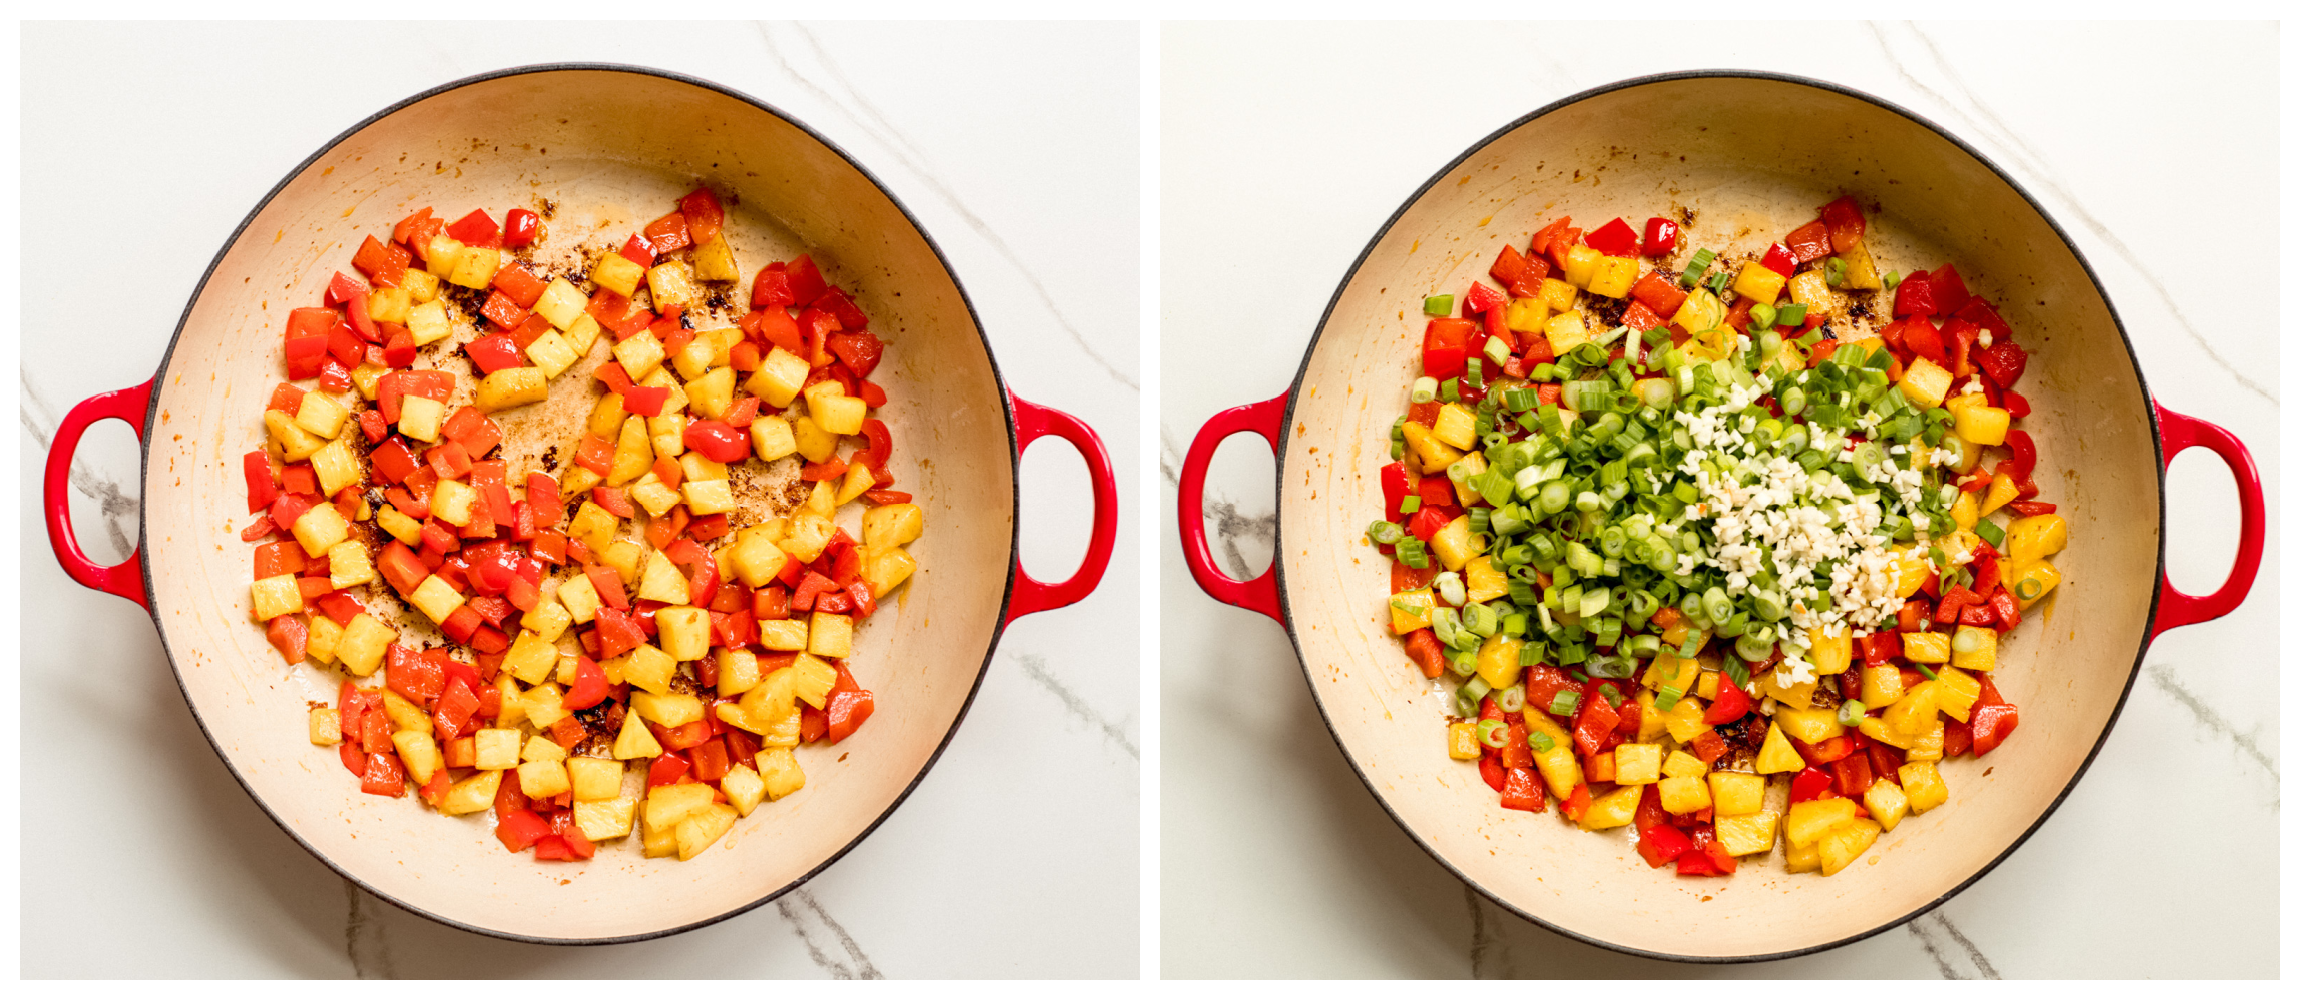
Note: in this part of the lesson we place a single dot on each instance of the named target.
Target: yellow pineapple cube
(1808, 819)
(771, 438)
(594, 779)
(552, 354)
(618, 273)
(710, 496)
(1527, 315)
(1461, 742)
(1456, 426)
(1613, 277)
(699, 831)
(1684, 795)
(666, 805)
(321, 415)
(541, 779)
(649, 669)
(1925, 383)
(326, 727)
(1887, 803)
(1983, 643)
(715, 260)
(405, 714)
(1777, 756)
(1751, 833)
(1809, 725)
(1881, 685)
(635, 742)
(363, 644)
(389, 305)
(321, 528)
(634, 453)
(560, 303)
(639, 355)
(711, 393)
(1921, 781)
(606, 820)
(296, 444)
(830, 635)
(580, 598)
(779, 378)
(1736, 794)
(275, 596)
(512, 387)
(667, 710)
(671, 284)
(427, 324)
(886, 570)
(1844, 842)
(321, 643)
(441, 254)
(1566, 331)
(475, 267)
(744, 788)
(1684, 719)
(435, 598)
(420, 418)
(1637, 763)
(1581, 265)
(473, 794)
(1683, 765)
(348, 565)
(783, 636)
(1806, 858)
(1759, 283)
(685, 633)
(1613, 809)
(495, 749)
(419, 752)
(738, 671)
(1832, 654)
(334, 464)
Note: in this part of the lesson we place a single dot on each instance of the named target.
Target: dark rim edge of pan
(1005, 403)
(2155, 441)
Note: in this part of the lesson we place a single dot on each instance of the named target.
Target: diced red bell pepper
(520, 228)
(1521, 790)
(1613, 239)
(1658, 294)
(1662, 843)
(2003, 360)
(646, 400)
(1809, 242)
(847, 710)
(618, 634)
(1845, 222)
(476, 229)
(1923, 338)
(717, 441)
(384, 776)
(1732, 703)
(1990, 725)
(263, 481)
(1575, 805)
(1808, 785)
(1594, 722)
(668, 234)
(1852, 775)
(1660, 238)
(859, 351)
(457, 705)
(1445, 347)
(494, 352)
(520, 829)
(1915, 297)
(288, 634)
(1778, 259)
(1510, 268)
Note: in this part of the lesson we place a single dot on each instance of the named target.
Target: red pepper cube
(1660, 237)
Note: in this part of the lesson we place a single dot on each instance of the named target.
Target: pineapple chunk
(404, 714)
(1926, 384)
(321, 415)
(634, 455)
(275, 596)
(473, 794)
(2029, 539)
(296, 444)
(887, 570)
(1684, 795)
(541, 779)
(583, 334)
(452, 501)
(1581, 265)
(1887, 803)
(541, 747)
(326, 727)
(419, 752)
(606, 820)
(1809, 725)
(780, 376)
(744, 788)
(671, 284)
(640, 356)
(1803, 859)
(1860, 268)
(1844, 842)
(594, 779)
(475, 267)
(1979, 423)
(362, 646)
(2042, 572)
(1461, 742)
(1456, 426)
(1748, 834)
(1496, 659)
(699, 831)
(669, 711)
(771, 438)
(389, 305)
(1566, 331)
(783, 636)
(815, 443)
(659, 842)
(711, 496)
(684, 632)
(580, 598)
(427, 323)
(1925, 647)
(1527, 315)
(321, 528)
(738, 671)
(1759, 283)
(654, 497)
(1613, 277)
(860, 480)
(661, 581)
(617, 273)
(1777, 756)
(635, 742)
(495, 749)
(1560, 769)
(1683, 765)
(512, 387)
(668, 804)
(543, 706)
(348, 565)
(810, 534)
(1917, 710)
(711, 393)
(715, 260)
(1454, 545)
(1811, 289)
(830, 635)
(1955, 693)
(560, 304)
(325, 634)
(552, 354)
(419, 418)
(1881, 685)
(1813, 817)
(1921, 781)
(334, 464)
(441, 254)
(1613, 809)
(1430, 453)
(1558, 293)
(649, 669)
(531, 658)
(549, 620)
(1832, 654)
(1734, 793)
(435, 598)
(1684, 719)
(1637, 763)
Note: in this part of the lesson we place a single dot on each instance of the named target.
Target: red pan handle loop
(2173, 608)
(1266, 418)
(125, 405)
(1031, 422)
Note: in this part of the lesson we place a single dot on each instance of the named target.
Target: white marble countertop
(1285, 147)
(144, 145)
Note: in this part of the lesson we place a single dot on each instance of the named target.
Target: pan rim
(2155, 440)
(1006, 409)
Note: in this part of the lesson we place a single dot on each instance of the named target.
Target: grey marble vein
(1229, 524)
(363, 937)
(1034, 667)
(119, 510)
(2247, 742)
(1480, 938)
(812, 924)
(2032, 163)
(1952, 952)
(860, 110)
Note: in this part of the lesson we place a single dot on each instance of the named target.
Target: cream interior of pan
(604, 153)
(1752, 159)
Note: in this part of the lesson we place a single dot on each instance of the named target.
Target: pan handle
(1260, 594)
(1031, 422)
(127, 406)
(2174, 609)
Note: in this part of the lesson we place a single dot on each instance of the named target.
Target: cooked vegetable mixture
(1721, 565)
(613, 621)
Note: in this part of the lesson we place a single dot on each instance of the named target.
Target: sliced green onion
(1476, 376)
(1450, 390)
(1792, 314)
(1851, 712)
(1385, 532)
(1497, 351)
(1892, 280)
(1493, 733)
(1471, 697)
(1413, 553)
(1438, 305)
(1541, 741)
(1925, 670)
(2028, 590)
(1966, 642)
(1450, 587)
(1565, 703)
(1411, 504)
(1834, 271)
(1667, 697)
(1761, 316)
(1989, 531)
(1738, 671)
(1696, 266)
(1425, 389)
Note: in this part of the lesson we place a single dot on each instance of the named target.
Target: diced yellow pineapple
(1844, 842)
(640, 355)
(389, 305)
(296, 444)
(671, 284)
(1684, 795)
(1808, 819)
(560, 303)
(1831, 654)
(886, 570)
(2042, 573)
(618, 273)
(348, 565)
(552, 354)
(713, 392)
(441, 254)
(779, 378)
(661, 581)
(715, 260)
(321, 528)
(1923, 785)
(326, 728)
(362, 646)
(744, 788)
(2029, 539)
(435, 599)
(541, 747)
(1978, 422)
(275, 596)
(771, 438)
(668, 804)
(1683, 765)
(1496, 659)
(1566, 331)
(1749, 833)
(1613, 277)
(1637, 763)
(541, 779)
(335, 464)
(1917, 710)
(473, 794)
(1527, 315)
(699, 831)
(635, 742)
(809, 534)
(667, 710)
(684, 632)
(1736, 793)
(1461, 742)
(452, 501)
(321, 415)
(830, 635)
(1430, 453)
(1925, 383)
(1456, 426)
(1809, 289)
(580, 599)
(1809, 726)
(709, 496)
(549, 620)
(419, 752)
(1559, 768)
(738, 671)
(321, 643)
(634, 453)
(1881, 685)
(404, 714)
(787, 635)
(649, 669)
(495, 749)
(1777, 756)
(419, 418)
(1955, 693)
(1650, 725)
(1759, 283)
(1803, 859)
(475, 267)
(1684, 719)
(1883, 732)
(1925, 647)
(1581, 265)
(1887, 803)
(511, 387)
(427, 324)
(659, 842)
(1613, 809)
(606, 820)
(1455, 545)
